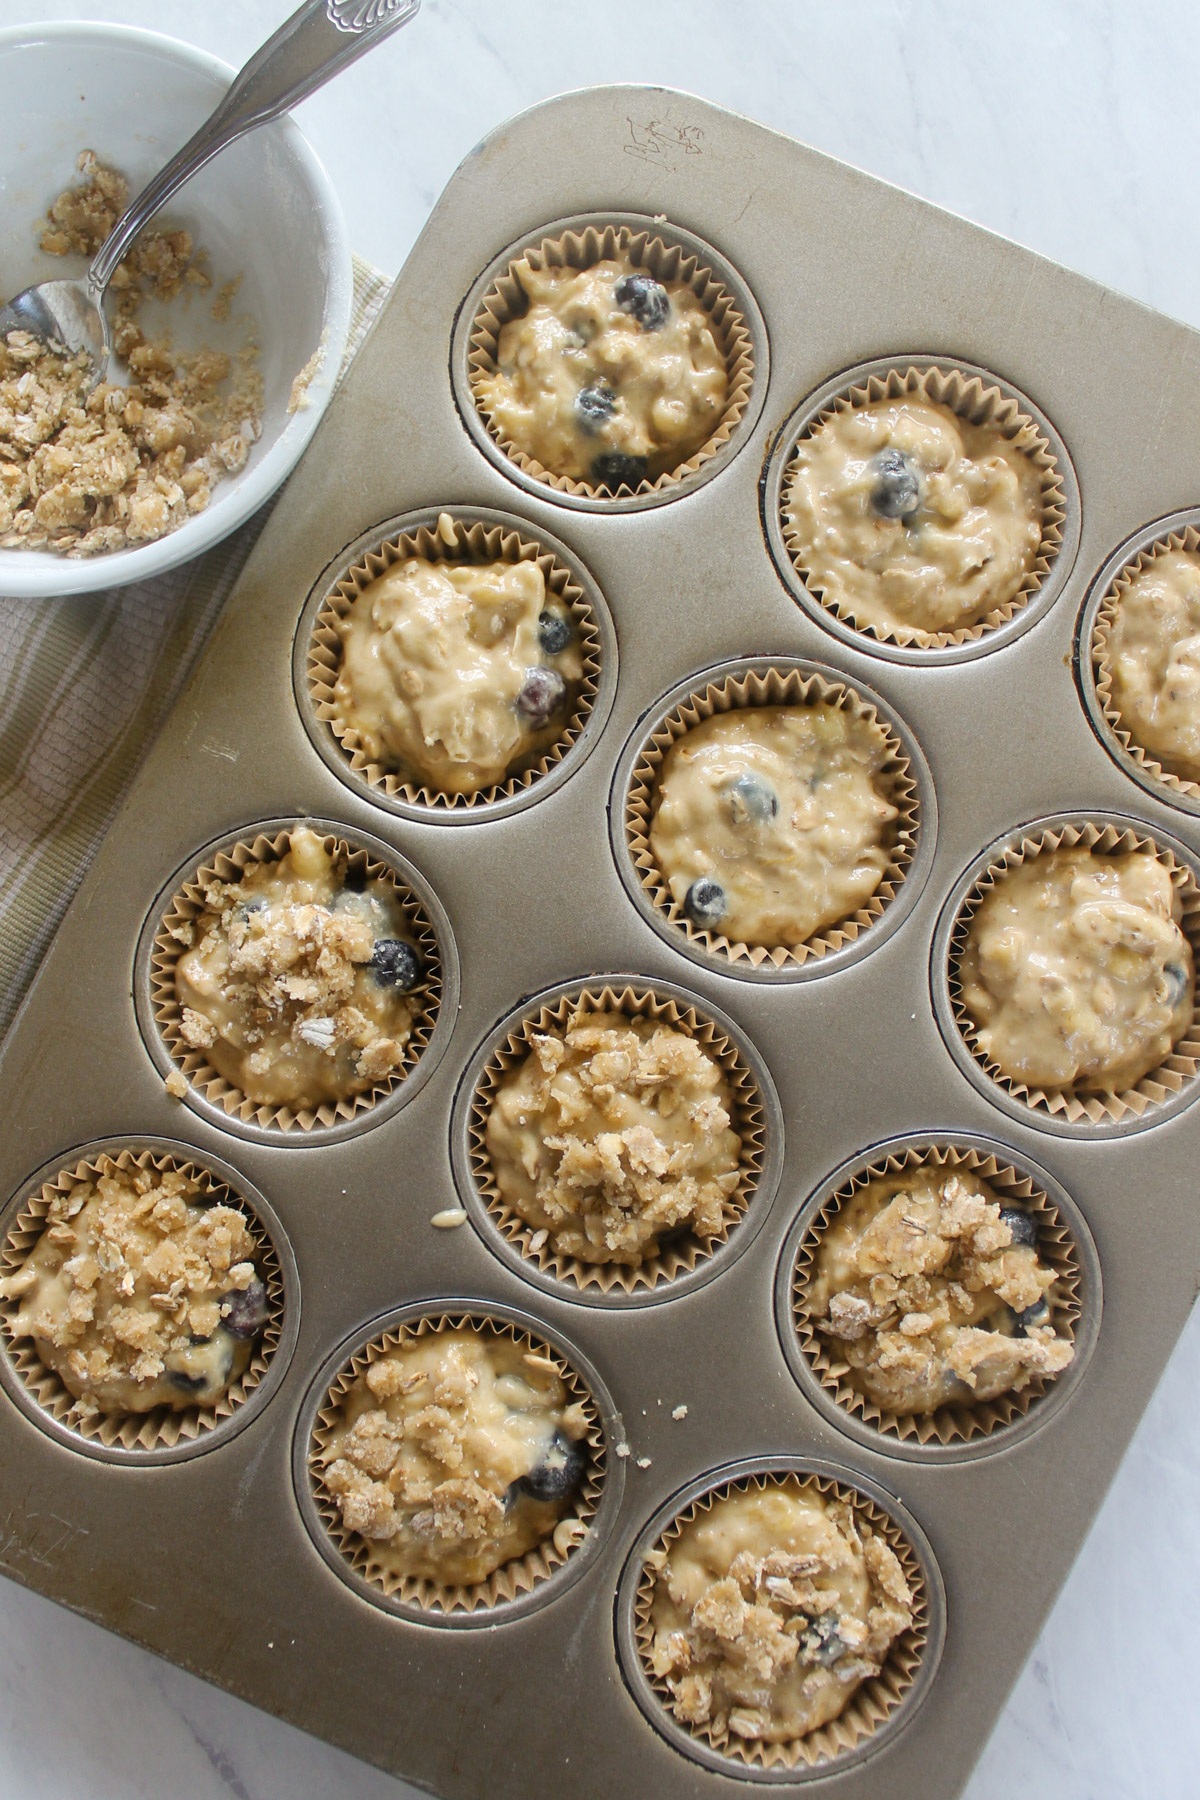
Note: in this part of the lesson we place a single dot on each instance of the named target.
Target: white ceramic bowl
(264, 209)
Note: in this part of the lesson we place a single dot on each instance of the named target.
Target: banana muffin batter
(609, 376)
(1076, 972)
(1154, 653)
(770, 1609)
(455, 1454)
(298, 980)
(771, 823)
(456, 674)
(911, 519)
(139, 1293)
(613, 1135)
(932, 1290)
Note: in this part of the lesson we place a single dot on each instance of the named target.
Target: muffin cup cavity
(904, 781)
(878, 1709)
(162, 1434)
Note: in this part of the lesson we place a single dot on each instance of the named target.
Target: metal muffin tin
(210, 1561)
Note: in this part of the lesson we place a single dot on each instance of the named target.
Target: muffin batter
(139, 1293)
(1076, 971)
(1154, 653)
(297, 982)
(933, 1292)
(609, 376)
(614, 1135)
(770, 1609)
(910, 519)
(454, 1454)
(455, 673)
(770, 822)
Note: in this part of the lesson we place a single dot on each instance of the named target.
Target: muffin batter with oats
(139, 1293)
(609, 376)
(771, 823)
(770, 1609)
(456, 1453)
(457, 674)
(614, 1135)
(933, 1292)
(1154, 653)
(910, 519)
(1076, 972)
(297, 981)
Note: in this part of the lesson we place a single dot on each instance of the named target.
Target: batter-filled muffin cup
(616, 1138)
(772, 817)
(923, 507)
(295, 980)
(141, 1299)
(935, 1294)
(610, 362)
(781, 1621)
(457, 1462)
(1071, 972)
(454, 664)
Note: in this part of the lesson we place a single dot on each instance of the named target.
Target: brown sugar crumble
(82, 473)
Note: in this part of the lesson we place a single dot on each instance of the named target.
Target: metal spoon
(321, 38)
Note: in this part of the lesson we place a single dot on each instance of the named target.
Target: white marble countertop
(1068, 125)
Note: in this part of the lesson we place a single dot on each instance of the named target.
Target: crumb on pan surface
(1153, 650)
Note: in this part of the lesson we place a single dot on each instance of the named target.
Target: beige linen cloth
(85, 685)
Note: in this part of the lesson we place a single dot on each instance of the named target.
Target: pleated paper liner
(512, 1578)
(1177, 1071)
(679, 1256)
(979, 403)
(774, 687)
(956, 1423)
(1173, 784)
(163, 1428)
(167, 948)
(452, 541)
(871, 1706)
(665, 261)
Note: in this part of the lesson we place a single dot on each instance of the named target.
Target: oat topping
(770, 1608)
(614, 1134)
(139, 1293)
(933, 1292)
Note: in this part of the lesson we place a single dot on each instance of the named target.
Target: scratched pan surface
(208, 1561)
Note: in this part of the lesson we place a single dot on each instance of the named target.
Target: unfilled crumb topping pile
(770, 1609)
(1154, 652)
(613, 1134)
(931, 1293)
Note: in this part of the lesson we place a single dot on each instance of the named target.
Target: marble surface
(1068, 125)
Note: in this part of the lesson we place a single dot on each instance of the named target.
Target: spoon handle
(321, 38)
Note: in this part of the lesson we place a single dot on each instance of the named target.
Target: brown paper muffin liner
(163, 1427)
(1187, 540)
(681, 1255)
(169, 945)
(665, 261)
(512, 1578)
(1177, 1071)
(979, 404)
(477, 543)
(775, 687)
(948, 1424)
(872, 1704)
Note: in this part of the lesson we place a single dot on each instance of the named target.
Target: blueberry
(396, 964)
(705, 902)
(1021, 1224)
(201, 1376)
(645, 299)
(554, 633)
(752, 801)
(1176, 979)
(1037, 1314)
(542, 693)
(612, 469)
(188, 1384)
(897, 492)
(246, 907)
(354, 880)
(820, 1641)
(559, 1475)
(244, 1311)
(594, 407)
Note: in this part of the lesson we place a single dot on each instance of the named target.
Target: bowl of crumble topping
(229, 315)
